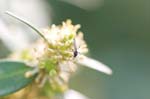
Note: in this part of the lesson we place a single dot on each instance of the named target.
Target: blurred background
(117, 32)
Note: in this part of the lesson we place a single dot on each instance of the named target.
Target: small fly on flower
(75, 53)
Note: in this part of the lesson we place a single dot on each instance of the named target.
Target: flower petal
(72, 94)
(94, 64)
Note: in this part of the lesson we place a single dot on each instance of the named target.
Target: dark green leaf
(12, 76)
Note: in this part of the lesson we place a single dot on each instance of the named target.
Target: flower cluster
(55, 59)
(56, 55)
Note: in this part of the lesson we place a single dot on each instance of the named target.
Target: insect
(75, 53)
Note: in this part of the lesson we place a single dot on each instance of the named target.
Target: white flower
(57, 53)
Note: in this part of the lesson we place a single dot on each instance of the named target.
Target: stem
(28, 24)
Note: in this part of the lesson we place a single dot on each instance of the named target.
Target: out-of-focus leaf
(12, 76)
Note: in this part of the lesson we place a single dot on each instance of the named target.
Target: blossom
(56, 55)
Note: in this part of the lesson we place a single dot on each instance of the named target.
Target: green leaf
(12, 76)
